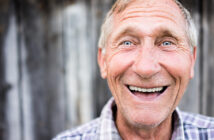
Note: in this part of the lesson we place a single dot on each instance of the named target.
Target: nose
(146, 63)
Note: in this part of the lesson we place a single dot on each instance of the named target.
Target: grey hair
(120, 5)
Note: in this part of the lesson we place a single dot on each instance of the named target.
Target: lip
(146, 85)
(146, 97)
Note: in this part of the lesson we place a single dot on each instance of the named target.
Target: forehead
(147, 6)
(150, 11)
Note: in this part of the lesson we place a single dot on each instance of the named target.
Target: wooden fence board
(5, 12)
(207, 51)
(13, 113)
(77, 64)
(42, 88)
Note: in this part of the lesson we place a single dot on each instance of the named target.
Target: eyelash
(129, 43)
(165, 43)
(125, 43)
(170, 43)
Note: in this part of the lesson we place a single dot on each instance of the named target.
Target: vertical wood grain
(13, 112)
(207, 58)
(42, 88)
(78, 70)
(5, 7)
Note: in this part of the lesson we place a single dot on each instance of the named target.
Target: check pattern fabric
(186, 127)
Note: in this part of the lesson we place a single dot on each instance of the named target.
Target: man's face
(148, 61)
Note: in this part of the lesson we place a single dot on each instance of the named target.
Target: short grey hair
(120, 5)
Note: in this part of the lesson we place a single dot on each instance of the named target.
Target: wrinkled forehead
(149, 8)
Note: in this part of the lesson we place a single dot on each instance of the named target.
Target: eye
(166, 43)
(127, 43)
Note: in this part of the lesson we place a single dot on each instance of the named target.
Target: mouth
(147, 93)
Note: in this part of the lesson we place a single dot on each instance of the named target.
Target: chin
(146, 123)
(146, 120)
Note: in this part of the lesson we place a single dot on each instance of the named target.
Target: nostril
(146, 71)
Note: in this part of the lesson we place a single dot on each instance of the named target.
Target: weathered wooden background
(49, 78)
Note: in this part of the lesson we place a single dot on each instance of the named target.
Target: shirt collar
(178, 130)
(108, 128)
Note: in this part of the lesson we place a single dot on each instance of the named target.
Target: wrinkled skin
(148, 48)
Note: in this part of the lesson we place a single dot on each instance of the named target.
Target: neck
(129, 132)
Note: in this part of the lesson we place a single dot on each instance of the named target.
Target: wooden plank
(74, 38)
(78, 63)
(5, 8)
(13, 111)
(208, 59)
(42, 88)
(55, 70)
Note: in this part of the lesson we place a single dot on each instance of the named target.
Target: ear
(194, 53)
(102, 62)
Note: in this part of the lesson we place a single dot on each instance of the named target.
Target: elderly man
(147, 52)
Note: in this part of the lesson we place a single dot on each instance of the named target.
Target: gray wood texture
(4, 86)
(49, 77)
(207, 59)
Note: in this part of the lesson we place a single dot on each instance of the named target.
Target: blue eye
(127, 43)
(166, 43)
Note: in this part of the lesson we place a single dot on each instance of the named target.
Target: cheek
(178, 65)
(118, 63)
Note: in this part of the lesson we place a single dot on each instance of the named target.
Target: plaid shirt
(186, 127)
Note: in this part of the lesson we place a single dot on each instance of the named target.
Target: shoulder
(87, 131)
(191, 120)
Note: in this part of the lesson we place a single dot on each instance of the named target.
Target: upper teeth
(145, 89)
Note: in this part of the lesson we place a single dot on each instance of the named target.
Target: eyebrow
(133, 31)
(126, 31)
(165, 32)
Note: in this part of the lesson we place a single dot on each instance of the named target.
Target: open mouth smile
(147, 93)
(147, 90)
